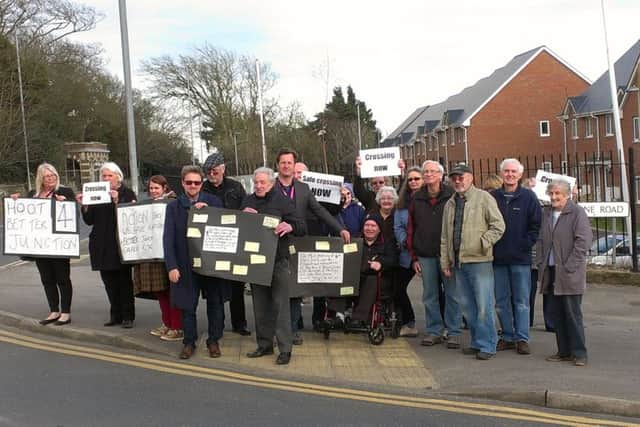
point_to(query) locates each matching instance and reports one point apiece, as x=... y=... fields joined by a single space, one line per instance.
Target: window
x=608 y=122
x=564 y=170
x=588 y=128
x=637 y=190
x=547 y=166
x=453 y=136
x=544 y=128
x=636 y=129
x=574 y=128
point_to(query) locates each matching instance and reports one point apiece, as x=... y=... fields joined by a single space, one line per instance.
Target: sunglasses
x=189 y=182
x=413 y=179
x=377 y=182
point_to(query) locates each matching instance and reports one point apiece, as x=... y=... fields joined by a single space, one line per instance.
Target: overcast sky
x=397 y=55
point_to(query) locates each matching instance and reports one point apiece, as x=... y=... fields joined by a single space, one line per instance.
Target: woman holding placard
x=103 y=247
x=54 y=272
x=151 y=277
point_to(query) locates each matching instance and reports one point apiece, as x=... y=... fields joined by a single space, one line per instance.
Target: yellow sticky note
x=350 y=248
x=227 y=219
x=193 y=232
x=240 y=270
x=292 y=250
x=270 y=222
x=200 y=218
x=197 y=263
x=322 y=246
x=346 y=290
x=222 y=265
x=251 y=246
x=258 y=259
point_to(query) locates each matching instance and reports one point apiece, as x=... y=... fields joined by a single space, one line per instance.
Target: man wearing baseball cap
x=471 y=225
x=231 y=193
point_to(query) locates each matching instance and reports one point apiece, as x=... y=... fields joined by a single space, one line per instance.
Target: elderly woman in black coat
x=103 y=247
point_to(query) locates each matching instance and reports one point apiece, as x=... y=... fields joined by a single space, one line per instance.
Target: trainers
x=430 y=340
x=505 y=345
x=522 y=347
x=453 y=342
x=158 y=332
x=172 y=335
x=408 y=331
x=470 y=351
x=481 y=355
x=559 y=358
x=580 y=361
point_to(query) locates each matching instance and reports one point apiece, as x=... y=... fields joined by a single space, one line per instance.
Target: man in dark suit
x=307 y=207
x=231 y=193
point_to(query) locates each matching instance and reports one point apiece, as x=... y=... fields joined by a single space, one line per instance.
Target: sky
x=397 y=55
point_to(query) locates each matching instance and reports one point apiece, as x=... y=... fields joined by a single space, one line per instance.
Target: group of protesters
x=470 y=248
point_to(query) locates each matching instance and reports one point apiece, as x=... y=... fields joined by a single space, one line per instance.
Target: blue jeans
x=476 y=290
x=513 y=290
x=215 y=312
x=432 y=278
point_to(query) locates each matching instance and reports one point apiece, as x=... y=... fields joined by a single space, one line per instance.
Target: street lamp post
x=235 y=149
x=24 y=120
x=323 y=143
x=359 y=130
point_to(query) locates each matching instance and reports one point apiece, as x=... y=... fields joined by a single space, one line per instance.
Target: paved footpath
x=610 y=383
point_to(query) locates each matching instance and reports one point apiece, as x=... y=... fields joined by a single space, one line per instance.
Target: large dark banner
x=324 y=266
x=140 y=229
x=232 y=244
x=41 y=228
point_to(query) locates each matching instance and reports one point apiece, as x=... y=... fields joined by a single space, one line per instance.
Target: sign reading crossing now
x=606 y=209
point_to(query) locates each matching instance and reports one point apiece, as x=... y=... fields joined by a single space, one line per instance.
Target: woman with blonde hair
x=54 y=272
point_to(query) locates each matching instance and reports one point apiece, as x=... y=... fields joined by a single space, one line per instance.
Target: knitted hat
x=349 y=187
x=375 y=217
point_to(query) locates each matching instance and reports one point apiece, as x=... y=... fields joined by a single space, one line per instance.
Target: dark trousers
x=56 y=280
x=295 y=308
x=319 y=308
x=548 y=322
x=403 y=306
x=236 y=306
x=119 y=287
x=215 y=311
x=271 y=310
x=566 y=313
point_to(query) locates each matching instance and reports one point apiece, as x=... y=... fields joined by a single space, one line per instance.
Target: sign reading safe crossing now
x=232 y=244
x=325 y=187
x=140 y=229
x=41 y=228
x=324 y=267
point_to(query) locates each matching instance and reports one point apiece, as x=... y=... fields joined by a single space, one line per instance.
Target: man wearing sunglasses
x=185 y=284
x=231 y=192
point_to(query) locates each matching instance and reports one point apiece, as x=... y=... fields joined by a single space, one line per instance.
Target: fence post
x=632 y=210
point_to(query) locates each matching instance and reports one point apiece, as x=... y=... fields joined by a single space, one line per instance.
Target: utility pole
x=24 y=120
x=264 y=144
x=359 y=131
x=235 y=148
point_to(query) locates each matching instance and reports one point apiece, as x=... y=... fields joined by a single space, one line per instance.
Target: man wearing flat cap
x=471 y=225
x=231 y=193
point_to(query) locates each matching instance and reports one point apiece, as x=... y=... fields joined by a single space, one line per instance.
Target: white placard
x=543 y=178
x=320 y=267
x=28 y=230
x=380 y=162
x=220 y=239
x=140 y=229
x=606 y=209
x=325 y=187
x=96 y=193
x=66 y=219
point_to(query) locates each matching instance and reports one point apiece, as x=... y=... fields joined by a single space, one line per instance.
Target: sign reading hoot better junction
x=232 y=244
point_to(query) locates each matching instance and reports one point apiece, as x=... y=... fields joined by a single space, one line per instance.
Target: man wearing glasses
x=423 y=239
x=365 y=196
x=185 y=284
x=471 y=225
x=231 y=192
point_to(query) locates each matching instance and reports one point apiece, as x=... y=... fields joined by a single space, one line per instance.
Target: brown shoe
x=430 y=340
x=505 y=345
x=559 y=358
x=214 y=350
x=187 y=351
x=522 y=347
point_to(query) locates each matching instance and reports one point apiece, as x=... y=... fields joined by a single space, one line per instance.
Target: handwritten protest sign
x=140 y=228
x=324 y=266
x=30 y=228
x=96 y=193
x=325 y=187
x=380 y=162
x=233 y=245
x=543 y=178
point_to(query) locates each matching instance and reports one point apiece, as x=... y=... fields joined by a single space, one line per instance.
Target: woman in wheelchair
x=379 y=257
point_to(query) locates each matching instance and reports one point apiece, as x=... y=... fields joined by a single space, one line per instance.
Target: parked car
x=603 y=249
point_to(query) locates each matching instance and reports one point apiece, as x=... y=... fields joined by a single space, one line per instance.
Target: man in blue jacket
x=512 y=256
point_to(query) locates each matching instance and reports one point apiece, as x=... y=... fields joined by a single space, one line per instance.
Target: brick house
x=590 y=132
x=511 y=113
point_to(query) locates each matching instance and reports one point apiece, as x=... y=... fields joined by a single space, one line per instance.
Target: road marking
x=185 y=369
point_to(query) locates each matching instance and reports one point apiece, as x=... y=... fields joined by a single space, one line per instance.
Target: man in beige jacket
x=471 y=225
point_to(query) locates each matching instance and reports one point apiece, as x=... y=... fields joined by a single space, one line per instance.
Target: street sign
x=606 y=209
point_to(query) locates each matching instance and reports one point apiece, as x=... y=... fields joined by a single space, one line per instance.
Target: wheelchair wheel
x=376 y=336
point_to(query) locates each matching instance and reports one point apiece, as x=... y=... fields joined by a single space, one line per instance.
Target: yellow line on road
x=186 y=369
